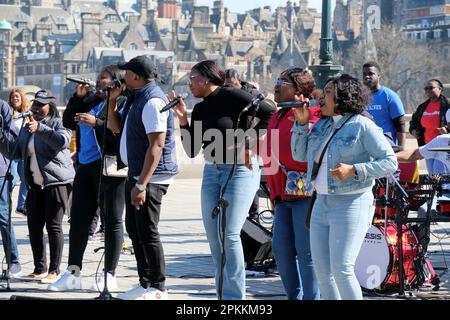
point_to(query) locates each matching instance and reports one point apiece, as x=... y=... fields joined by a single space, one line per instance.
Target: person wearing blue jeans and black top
x=9 y=131
x=85 y=113
x=147 y=146
x=217 y=115
x=345 y=152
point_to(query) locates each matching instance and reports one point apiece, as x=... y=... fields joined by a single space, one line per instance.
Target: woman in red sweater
x=291 y=238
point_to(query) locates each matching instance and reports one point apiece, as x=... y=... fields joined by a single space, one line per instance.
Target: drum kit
x=393 y=255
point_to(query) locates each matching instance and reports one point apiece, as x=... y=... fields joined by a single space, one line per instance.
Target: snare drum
x=377 y=264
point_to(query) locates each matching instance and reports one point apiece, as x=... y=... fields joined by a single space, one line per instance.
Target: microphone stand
x=9 y=178
x=223 y=204
x=105 y=294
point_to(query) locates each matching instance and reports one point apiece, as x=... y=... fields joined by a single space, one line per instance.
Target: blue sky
x=243 y=5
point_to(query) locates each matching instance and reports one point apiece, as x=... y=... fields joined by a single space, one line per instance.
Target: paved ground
x=189 y=265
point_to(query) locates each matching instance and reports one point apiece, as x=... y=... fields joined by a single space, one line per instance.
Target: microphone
x=82 y=81
x=292 y=104
x=115 y=83
x=260 y=97
x=174 y=102
x=24 y=114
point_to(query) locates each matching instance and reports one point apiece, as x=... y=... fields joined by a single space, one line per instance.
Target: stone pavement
x=189 y=265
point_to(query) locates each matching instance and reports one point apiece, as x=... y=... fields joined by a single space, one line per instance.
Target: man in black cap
x=147 y=146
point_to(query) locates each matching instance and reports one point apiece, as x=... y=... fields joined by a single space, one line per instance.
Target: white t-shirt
x=153 y=121
x=38 y=179
x=438 y=142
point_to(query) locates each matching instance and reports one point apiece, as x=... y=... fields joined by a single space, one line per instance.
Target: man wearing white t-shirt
x=424 y=152
x=147 y=147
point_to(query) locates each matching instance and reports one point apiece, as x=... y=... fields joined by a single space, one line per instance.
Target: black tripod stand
x=400 y=203
x=223 y=204
x=8 y=179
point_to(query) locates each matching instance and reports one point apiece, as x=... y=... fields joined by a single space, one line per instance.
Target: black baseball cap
x=141 y=65
x=45 y=97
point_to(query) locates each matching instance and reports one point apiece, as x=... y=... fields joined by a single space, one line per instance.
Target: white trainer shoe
x=15 y=270
x=141 y=293
x=99 y=285
x=67 y=282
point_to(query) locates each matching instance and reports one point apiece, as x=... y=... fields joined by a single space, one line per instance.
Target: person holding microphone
x=44 y=147
x=345 y=152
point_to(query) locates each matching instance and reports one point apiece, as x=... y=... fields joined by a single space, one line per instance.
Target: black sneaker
x=22 y=211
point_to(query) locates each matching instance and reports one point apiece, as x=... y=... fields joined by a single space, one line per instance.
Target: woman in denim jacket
x=356 y=155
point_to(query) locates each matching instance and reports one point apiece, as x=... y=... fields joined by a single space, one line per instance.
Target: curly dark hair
x=303 y=80
x=351 y=96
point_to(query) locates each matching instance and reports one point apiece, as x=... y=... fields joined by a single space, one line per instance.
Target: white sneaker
x=100 y=283
x=67 y=282
x=140 y=293
x=15 y=270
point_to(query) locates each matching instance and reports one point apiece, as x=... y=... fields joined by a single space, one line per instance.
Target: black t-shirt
x=217 y=115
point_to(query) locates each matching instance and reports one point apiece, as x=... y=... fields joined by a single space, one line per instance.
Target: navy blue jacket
x=137 y=141
x=8 y=130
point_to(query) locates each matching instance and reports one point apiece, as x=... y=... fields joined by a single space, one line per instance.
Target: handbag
x=315 y=171
x=110 y=168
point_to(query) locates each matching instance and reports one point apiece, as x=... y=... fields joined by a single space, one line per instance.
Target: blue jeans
x=17 y=168
x=4 y=213
x=338 y=226
x=239 y=194
x=292 y=252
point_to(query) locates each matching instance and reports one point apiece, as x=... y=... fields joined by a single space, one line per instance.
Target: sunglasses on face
x=280 y=82
x=430 y=88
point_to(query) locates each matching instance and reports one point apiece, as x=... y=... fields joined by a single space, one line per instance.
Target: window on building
x=20 y=71
x=56 y=68
x=48 y=68
x=29 y=70
x=2 y=36
x=132 y=46
x=62 y=27
x=21 y=25
x=74 y=68
x=38 y=69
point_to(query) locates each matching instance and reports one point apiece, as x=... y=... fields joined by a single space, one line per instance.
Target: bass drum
x=377 y=264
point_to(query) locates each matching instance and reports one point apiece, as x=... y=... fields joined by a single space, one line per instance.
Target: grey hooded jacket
x=51 y=144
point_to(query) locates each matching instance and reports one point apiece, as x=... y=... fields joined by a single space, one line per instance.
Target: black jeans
x=112 y=200
x=142 y=228
x=83 y=211
x=46 y=207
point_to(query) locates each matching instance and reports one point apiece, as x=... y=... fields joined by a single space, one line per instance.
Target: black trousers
x=142 y=228
x=112 y=200
x=84 y=209
x=46 y=207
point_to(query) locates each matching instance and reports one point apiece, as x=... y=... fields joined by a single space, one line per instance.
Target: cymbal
x=440 y=149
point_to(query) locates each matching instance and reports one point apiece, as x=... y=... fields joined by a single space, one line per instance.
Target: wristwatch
x=140 y=187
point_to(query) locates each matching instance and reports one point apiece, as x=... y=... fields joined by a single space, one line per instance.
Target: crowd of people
x=320 y=158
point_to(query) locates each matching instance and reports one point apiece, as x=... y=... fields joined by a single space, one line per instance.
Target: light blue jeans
x=4 y=214
x=338 y=226
x=18 y=169
x=291 y=249
x=239 y=194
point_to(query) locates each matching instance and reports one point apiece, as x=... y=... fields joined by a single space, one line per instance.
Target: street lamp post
x=326 y=69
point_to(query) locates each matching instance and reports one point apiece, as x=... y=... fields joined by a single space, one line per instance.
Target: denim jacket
x=359 y=142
